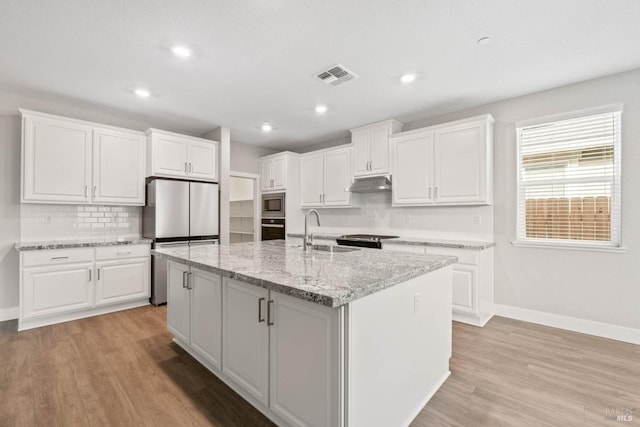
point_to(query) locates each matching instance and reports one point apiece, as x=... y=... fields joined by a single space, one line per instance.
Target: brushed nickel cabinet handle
x=269 y=305
x=59 y=257
x=185 y=167
x=89 y=275
x=94 y=191
x=124 y=253
x=189 y=281
x=190 y=167
x=86 y=189
x=98 y=274
x=184 y=280
x=436 y=192
x=260 y=318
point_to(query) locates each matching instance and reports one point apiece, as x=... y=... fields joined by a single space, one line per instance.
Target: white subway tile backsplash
x=52 y=222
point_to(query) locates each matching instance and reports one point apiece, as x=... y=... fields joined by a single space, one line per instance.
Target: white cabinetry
x=449 y=164
x=194 y=311
x=181 y=156
x=324 y=176
x=71 y=161
x=274 y=171
x=59 y=285
x=246 y=338
x=371 y=147
x=472 y=280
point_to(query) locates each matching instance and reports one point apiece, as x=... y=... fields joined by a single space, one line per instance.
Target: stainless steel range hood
x=372 y=184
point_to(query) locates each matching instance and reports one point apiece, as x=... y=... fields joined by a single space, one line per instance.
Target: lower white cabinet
x=56 y=289
x=58 y=285
x=268 y=343
x=472 y=288
x=194 y=310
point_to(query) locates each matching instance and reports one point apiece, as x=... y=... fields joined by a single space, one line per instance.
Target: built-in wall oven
x=273 y=205
x=273 y=228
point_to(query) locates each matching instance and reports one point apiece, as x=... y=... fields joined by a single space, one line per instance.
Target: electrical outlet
x=477 y=219
x=47 y=219
x=417 y=303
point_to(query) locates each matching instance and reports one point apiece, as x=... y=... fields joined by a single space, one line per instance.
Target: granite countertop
x=81 y=243
x=331 y=279
x=416 y=241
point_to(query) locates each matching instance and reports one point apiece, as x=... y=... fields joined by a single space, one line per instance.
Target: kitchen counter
x=330 y=279
x=415 y=241
x=80 y=243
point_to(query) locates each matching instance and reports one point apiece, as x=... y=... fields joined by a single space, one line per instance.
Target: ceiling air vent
x=333 y=76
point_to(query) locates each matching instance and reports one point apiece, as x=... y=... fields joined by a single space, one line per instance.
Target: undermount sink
x=332 y=248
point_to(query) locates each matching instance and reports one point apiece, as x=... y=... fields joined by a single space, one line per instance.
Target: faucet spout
x=307 y=243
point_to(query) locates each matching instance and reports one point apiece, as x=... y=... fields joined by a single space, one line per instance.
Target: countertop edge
x=436 y=243
x=38 y=246
x=308 y=295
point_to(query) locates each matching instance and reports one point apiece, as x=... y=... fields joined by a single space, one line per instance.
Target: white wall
x=9 y=214
x=244 y=157
x=596 y=286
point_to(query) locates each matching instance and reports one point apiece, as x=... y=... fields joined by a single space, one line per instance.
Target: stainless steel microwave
x=273 y=205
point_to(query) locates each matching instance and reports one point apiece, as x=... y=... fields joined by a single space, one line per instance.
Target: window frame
x=615 y=244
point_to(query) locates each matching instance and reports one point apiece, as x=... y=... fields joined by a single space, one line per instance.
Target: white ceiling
x=255 y=59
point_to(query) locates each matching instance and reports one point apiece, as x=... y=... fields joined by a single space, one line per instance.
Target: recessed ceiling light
x=484 y=40
x=181 y=51
x=408 y=78
x=142 y=93
x=321 y=109
x=266 y=127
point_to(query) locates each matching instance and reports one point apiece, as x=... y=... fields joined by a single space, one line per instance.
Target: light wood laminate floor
x=123 y=369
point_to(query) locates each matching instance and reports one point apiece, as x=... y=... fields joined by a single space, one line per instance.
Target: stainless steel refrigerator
x=178 y=213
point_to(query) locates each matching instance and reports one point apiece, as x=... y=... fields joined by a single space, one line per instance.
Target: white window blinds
x=569 y=181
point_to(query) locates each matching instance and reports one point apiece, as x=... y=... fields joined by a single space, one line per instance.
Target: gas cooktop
x=363 y=240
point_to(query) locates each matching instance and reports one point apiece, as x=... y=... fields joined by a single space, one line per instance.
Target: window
x=569 y=179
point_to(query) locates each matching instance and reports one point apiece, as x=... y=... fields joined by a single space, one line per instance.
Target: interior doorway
x=244 y=215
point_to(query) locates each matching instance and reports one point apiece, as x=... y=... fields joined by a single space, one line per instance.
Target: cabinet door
x=311 y=180
x=379 y=150
x=118 y=167
x=56 y=289
x=361 y=140
x=465 y=288
x=246 y=338
x=279 y=173
x=122 y=280
x=203 y=160
x=412 y=170
x=460 y=165
x=57 y=161
x=266 y=175
x=178 y=317
x=304 y=379
x=337 y=177
x=206 y=315
x=170 y=155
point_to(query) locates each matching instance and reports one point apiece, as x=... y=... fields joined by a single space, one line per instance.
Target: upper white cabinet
x=71 y=161
x=274 y=171
x=449 y=164
x=118 y=167
x=371 y=147
x=180 y=156
x=324 y=175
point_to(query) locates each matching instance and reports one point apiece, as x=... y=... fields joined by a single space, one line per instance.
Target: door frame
x=257 y=225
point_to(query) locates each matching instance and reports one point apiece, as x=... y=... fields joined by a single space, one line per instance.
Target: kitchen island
x=357 y=338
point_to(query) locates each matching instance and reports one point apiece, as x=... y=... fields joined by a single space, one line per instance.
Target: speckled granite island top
x=80 y=243
x=331 y=279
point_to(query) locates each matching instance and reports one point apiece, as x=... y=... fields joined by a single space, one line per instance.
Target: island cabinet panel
x=304 y=361
x=398 y=350
x=178 y=310
x=246 y=338
x=194 y=311
x=206 y=315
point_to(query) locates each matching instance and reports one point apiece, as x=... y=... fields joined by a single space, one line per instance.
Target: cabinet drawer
x=56 y=256
x=465 y=256
x=122 y=251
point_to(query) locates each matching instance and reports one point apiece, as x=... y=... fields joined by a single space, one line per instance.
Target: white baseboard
x=9 y=313
x=589 y=327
